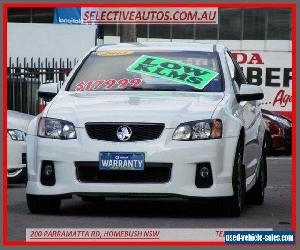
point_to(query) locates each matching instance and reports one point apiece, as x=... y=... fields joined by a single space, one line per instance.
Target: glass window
x=159 y=31
x=158 y=70
x=110 y=29
x=206 y=32
x=19 y=15
x=254 y=24
x=279 y=24
x=230 y=24
x=28 y=15
x=183 y=31
x=43 y=15
x=141 y=30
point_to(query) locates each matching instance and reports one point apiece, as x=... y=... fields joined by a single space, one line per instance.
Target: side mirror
x=48 y=90
x=249 y=92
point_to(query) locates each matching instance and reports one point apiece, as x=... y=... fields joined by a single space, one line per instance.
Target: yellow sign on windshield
x=114 y=53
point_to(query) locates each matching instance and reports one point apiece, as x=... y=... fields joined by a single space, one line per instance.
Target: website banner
x=149 y=15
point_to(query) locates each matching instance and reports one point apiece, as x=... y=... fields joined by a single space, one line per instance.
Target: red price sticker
x=111 y=84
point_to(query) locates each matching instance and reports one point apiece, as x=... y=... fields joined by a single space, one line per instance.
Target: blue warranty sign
x=121 y=161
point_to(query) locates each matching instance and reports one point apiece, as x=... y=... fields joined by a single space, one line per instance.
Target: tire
x=39 y=204
x=269 y=148
x=256 y=195
x=232 y=206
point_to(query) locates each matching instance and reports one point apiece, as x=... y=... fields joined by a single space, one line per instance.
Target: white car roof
x=164 y=46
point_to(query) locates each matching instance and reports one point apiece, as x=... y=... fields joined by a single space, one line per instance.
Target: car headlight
x=16 y=135
x=199 y=130
x=56 y=129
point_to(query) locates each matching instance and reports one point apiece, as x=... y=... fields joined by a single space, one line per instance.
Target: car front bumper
x=183 y=155
x=16 y=156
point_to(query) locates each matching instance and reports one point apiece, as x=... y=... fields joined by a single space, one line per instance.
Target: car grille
x=88 y=172
x=140 y=132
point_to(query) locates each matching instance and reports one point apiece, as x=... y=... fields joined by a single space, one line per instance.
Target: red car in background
x=279 y=132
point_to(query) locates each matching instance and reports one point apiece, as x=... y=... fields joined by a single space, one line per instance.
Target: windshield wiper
x=150 y=89
x=158 y=89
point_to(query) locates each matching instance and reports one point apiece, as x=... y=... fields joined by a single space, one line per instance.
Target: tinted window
x=206 y=32
x=29 y=15
x=254 y=24
x=187 y=71
x=183 y=31
x=142 y=30
x=21 y=15
x=230 y=24
x=279 y=24
x=109 y=29
x=43 y=15
x=159 y=31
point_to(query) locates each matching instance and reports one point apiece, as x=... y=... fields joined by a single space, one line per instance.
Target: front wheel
x=39 y=204
x=232 y=206
x=269 y=148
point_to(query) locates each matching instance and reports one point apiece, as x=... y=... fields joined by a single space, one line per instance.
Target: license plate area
x=121 y=161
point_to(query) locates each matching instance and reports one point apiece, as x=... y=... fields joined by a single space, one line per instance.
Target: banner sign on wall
x=67 y=16
x=273 y=72
x=149 y=15
x=134 y=15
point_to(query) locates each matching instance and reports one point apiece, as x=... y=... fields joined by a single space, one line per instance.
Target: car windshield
x=149 y=70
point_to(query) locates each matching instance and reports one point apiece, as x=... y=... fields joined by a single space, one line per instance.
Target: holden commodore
x=17 y=124
x=150 y=119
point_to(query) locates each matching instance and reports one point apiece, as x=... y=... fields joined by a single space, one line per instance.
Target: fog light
x=204 y=172
x=48 y=170
x=48 y=173
x=203 y=177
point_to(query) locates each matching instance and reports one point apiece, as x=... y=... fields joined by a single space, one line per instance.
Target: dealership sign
x=149 y=15
x=273 y=72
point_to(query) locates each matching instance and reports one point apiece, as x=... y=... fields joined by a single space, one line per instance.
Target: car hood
x=170 y=108
x=18 y=120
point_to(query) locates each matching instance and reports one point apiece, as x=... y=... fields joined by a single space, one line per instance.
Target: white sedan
x=151 y=119
x=17 y=125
